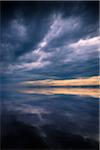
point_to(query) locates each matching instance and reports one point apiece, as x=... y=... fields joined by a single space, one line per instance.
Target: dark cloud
x=38 y=38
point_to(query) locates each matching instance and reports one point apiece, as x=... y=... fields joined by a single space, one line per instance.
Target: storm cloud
x=49 y=40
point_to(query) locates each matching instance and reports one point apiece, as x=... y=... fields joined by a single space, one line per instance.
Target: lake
x=49 y=118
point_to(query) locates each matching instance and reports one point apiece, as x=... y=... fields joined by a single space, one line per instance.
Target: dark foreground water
x=48 y=120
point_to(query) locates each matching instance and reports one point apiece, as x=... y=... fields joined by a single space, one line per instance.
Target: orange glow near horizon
x=90 y=81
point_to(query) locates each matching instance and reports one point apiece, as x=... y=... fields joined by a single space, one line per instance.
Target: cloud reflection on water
x=91 y=92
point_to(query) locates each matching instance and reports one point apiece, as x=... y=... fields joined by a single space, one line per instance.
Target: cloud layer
x=56 y=40
x=92 y=81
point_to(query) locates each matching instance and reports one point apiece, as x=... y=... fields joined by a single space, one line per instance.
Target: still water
x=49 y=118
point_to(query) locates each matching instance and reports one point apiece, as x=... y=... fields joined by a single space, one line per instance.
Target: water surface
x=59 y=118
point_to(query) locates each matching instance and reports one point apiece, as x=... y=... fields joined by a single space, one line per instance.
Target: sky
x=72 y=82
x=49 y=40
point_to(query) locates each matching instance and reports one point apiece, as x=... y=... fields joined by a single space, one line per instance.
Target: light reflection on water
x=68 y=110
x=67 y=91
